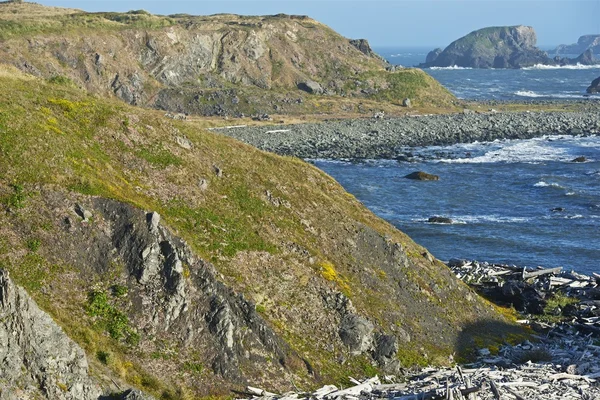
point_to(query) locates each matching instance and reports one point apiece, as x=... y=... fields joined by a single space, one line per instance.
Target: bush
x=34 y=245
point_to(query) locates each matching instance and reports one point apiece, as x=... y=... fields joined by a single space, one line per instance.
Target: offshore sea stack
x=494 y=47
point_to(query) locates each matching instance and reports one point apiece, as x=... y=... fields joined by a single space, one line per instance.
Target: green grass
x=109 y=318
x=57 y=138
x=78 y=23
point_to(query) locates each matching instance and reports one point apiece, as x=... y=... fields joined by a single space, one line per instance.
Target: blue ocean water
x=500 y=196
x=538 y=82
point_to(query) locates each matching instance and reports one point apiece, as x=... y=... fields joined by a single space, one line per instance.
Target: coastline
x=388 y=138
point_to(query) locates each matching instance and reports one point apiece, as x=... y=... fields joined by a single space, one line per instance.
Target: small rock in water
x=579 y=159
x=422 y=176
x=558 y=209
x=439 y=220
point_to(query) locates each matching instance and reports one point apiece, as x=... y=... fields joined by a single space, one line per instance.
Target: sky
x=387 y=23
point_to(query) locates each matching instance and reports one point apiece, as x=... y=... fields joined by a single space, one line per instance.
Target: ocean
x=537 y=82
x=520 y=202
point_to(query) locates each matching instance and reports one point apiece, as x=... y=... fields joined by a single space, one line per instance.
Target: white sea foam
x=576 y=66
x=545 y=184
x=532 y=94
x=453 y=67
x=475 y=219
x=531 y=151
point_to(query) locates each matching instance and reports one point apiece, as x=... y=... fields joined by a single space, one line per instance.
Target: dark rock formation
x=37 y=359
x=579 y=159
x=439 y=220
x=422 y=176
x=594 y=87
x=496 y=47
x=586 y=42
x=433 y=55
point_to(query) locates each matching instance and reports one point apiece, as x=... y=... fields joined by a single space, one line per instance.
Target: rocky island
x=498 y=47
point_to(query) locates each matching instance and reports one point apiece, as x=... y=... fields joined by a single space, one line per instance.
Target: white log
x=355 y=390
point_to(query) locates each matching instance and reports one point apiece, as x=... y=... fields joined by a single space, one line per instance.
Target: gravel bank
x=389 y=137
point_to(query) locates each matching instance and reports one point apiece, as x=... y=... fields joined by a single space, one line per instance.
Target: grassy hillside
x=278 y=231
x=225 y=65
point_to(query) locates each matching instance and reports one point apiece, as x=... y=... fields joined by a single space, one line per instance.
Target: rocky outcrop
x=37 y=359
x=495 y=47
x=585 y=58
x=594 y=86
x=433 y=55
x=585 y=42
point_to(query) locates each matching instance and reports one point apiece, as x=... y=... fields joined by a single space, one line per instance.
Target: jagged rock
x=357 y=333
x=439 y=220
x=585 y=58
x=433 y=55
x=363 y=46
x=422 y=176
x=585 y=42
x=37 y=359
x=594 y=87
x=406 y=103
x=311 y=87
x=579 y=159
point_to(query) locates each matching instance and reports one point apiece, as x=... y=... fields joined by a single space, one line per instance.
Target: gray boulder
x=356 y=332
x=311 y=87
x=37 y=359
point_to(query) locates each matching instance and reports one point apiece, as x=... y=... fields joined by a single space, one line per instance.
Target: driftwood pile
x=531 y=291
x=570 y=370
x=562 y=361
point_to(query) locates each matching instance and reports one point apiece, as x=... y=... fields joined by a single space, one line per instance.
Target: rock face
x=495 y=47
x=433 y=55
x=37 y=359
x=197 y=65
x=585 y=58
x=586 y=42
x=594 y=86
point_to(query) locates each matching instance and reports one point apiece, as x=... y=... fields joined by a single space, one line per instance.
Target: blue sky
x=425 y=23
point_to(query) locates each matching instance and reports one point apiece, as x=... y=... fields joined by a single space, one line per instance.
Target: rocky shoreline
x=392 y=138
